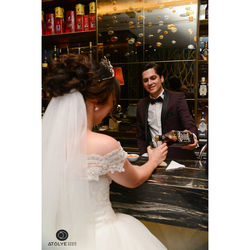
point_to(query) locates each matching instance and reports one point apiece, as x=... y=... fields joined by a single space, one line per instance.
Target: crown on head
x=106 y=63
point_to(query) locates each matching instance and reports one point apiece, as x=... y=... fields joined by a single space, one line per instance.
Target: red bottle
x=70 y=21
x=80 y=17
x=59 y=21
x=86 y=22
x=43 y=29
x=92 y=16
x=50 y=23
x=92 y=21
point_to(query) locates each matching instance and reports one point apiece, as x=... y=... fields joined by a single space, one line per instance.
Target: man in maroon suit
x=162 y=111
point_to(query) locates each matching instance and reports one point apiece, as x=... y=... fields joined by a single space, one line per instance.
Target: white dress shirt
x=154 y=119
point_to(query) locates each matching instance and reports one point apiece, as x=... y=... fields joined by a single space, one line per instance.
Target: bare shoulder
x=101 y=144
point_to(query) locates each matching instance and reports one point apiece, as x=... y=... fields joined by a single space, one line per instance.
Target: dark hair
x=174 y=83
x=80 y=73
x=157 y=67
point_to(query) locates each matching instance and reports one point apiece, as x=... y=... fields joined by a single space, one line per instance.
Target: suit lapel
x=147 y=133
x=164 y=107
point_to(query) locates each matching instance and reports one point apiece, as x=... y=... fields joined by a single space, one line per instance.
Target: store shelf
x=202 y=99
x=76 y=37
x=204 y=22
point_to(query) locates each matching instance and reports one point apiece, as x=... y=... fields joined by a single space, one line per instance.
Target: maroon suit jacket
x=174 y=115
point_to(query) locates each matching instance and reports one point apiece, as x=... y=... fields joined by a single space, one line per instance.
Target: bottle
x=79 y=17
x=80 y=51
x=45 y=60
x=55 y=55
x=92 y=16
x=204 y=52
x=90 y=51
x=206 y=12
x=59 y=20
x=202 y=129
x=176 y=138
x=43 y=111
x=203 y=89
x=43 y=28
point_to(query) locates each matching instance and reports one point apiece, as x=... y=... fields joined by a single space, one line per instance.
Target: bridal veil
x=67 y=218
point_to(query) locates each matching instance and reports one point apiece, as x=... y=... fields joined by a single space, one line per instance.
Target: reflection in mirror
x=136 y=31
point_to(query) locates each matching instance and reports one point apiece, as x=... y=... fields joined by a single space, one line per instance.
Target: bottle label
x=183 y=137
x=86 y=22
x=44 y=65
x=203 y=90
x=202 y=127
x=58 y=27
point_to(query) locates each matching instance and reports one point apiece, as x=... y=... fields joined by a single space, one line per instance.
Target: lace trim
x=102 y=164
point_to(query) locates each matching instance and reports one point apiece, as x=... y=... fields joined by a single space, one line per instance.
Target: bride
x=79 y=165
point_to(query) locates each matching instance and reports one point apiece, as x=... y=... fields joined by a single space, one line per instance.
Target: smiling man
x=162 y=111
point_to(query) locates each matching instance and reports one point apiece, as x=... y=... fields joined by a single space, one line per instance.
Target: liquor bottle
x=90 y=51
x=43 y=111
x=203 y=89
x=79 y=17
x=45 y=60
x=80 y=51
x=92 y=16
x=204 y=52
x=55 y=55
x=64 y=51
x=59 y=20
x=43 y=28
x=206 y=12
x=176 y=138
x=202 y=129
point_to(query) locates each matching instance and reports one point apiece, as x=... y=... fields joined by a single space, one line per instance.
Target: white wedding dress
x=115 y=231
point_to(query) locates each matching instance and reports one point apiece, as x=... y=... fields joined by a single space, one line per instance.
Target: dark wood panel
x=178 y=197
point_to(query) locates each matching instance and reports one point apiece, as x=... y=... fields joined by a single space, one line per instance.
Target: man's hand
x=190 y=146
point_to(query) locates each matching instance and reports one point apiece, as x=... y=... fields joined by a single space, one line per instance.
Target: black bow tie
x=153 y=101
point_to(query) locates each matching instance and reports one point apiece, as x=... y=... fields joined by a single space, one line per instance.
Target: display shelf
x=202 y=99
x=82 y=37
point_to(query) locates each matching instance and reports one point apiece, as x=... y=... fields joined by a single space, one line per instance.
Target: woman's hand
x=157 y=155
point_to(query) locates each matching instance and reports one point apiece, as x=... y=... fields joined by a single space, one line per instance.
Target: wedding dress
x=77 y=213
x=114 y=231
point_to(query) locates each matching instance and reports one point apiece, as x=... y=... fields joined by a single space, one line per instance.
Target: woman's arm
x=134 y=176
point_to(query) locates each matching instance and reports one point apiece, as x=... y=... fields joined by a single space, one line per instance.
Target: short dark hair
x=174 y=83
x=157 y=67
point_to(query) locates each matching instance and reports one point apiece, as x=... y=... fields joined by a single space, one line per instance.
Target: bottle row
x=75 y=21
x=49 y=55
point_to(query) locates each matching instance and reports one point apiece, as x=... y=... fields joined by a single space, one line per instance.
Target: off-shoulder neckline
x=108 y=154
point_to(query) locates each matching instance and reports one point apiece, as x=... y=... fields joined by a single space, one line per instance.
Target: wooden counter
x=175 y=197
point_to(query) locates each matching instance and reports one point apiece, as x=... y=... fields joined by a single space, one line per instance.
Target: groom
x=162 y=111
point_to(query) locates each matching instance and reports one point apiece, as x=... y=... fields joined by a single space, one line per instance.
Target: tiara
x=106 y=63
